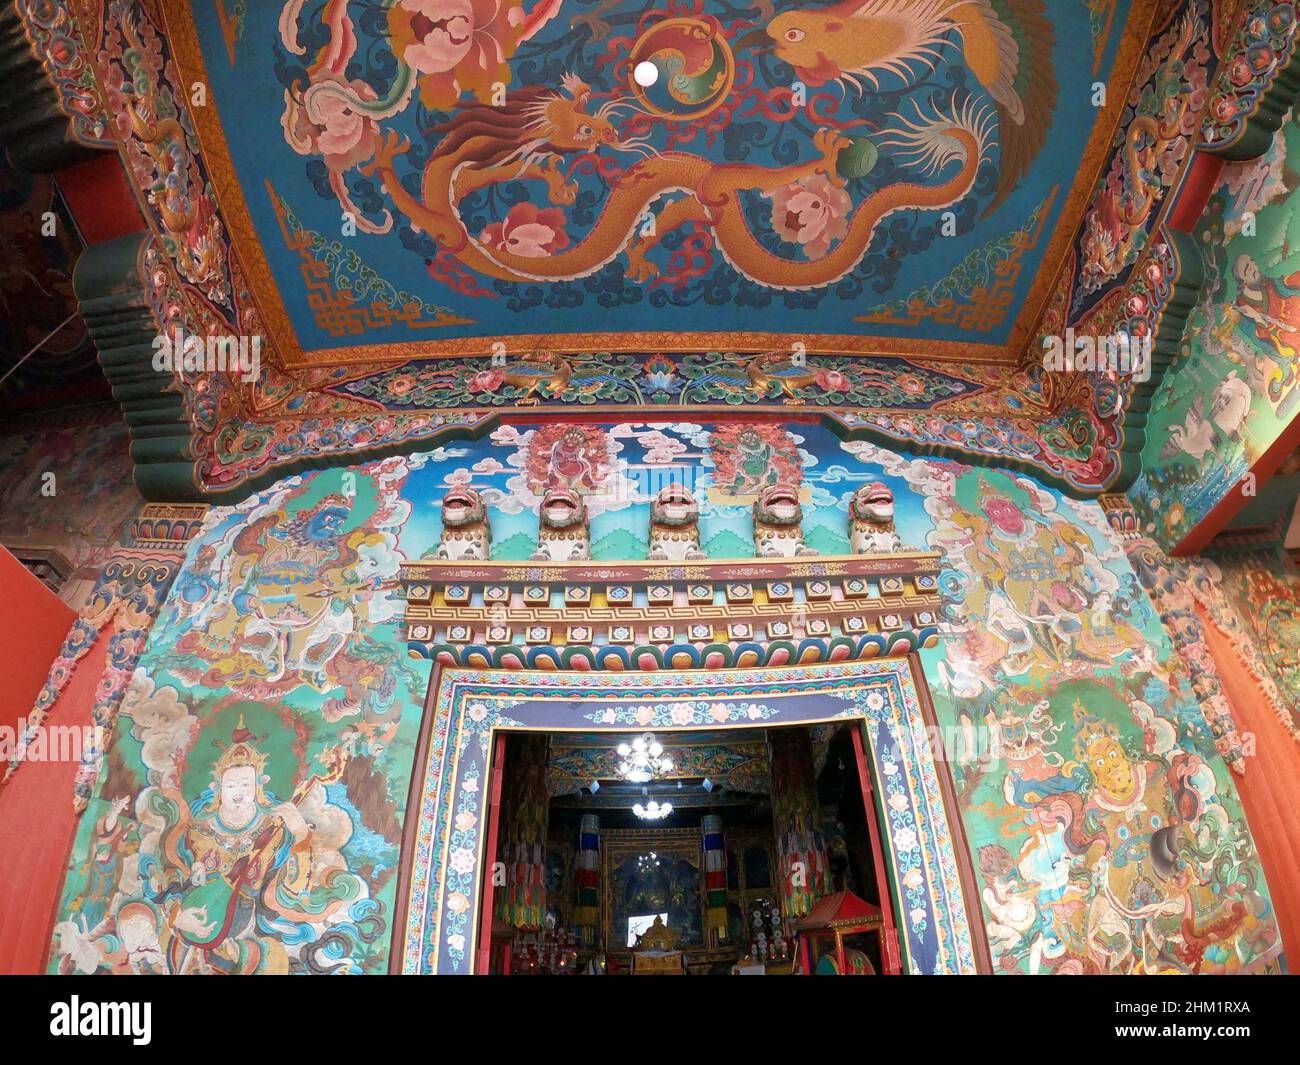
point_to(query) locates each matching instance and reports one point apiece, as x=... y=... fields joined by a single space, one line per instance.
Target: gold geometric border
x=1132 y=47
x=334 y=308
x=956 y=352
x=246 y=245
x=984 y=304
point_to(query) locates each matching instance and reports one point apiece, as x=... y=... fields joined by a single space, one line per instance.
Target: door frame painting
x=444 y=849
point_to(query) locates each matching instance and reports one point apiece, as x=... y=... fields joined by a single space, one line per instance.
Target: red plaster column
x=33 y=623
x=38 y=825
x=1270 y=788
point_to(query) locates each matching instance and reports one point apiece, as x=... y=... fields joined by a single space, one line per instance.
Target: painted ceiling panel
x=784 y=178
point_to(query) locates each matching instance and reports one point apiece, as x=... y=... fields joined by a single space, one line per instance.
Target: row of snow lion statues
x=564 y=535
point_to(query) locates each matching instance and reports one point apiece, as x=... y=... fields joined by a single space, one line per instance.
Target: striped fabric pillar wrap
x=524 y=814
x=586 y=911
x=715 y=876
x=801 y=850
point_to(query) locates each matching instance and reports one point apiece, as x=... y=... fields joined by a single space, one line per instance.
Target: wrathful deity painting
x=430 y=172
x=250 y=813
x=1107 y=833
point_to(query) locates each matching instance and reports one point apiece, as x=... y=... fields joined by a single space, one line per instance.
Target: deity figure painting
x=1107 y=836
x=1236 y=392
x=574 y=457
x=304 y=589
x=231 y=879
x=749 y=458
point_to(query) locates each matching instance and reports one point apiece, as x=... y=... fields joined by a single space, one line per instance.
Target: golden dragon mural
x=527 y=137
x=446 y=50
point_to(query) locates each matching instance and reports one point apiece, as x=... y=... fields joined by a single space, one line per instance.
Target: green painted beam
x=113 y=301
x=34 y=129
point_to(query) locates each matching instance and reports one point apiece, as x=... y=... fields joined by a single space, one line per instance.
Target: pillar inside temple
x=523 y=832
x=715 y=879
x=586 y=912
x=800 y=848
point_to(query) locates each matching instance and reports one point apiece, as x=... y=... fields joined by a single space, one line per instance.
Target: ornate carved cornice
x=49 y=115
x=656 y=615
x=1256 y=84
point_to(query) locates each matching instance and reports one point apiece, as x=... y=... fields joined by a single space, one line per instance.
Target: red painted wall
x=38 y=825
x=1270 y=790
x=32 y=627
x=35 y=829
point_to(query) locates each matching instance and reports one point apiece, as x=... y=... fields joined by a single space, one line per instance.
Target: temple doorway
x=504 y=768
x=681 y=852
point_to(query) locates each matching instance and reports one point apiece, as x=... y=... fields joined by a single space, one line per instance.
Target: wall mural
x=1108 y=834
x=267 y=739
x=1235 y=392
x=82 y=511
x=505 y=172
x=248 y=814
x=1177 y=587
x=621 y=468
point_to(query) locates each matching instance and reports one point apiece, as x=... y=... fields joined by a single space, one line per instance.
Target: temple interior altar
x=682 y=853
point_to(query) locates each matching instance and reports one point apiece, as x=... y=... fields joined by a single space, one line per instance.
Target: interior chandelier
x=643 y=759
x=653 y=811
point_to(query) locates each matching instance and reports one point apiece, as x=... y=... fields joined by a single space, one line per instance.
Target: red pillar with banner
x=586 y=911
x=715 y=880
